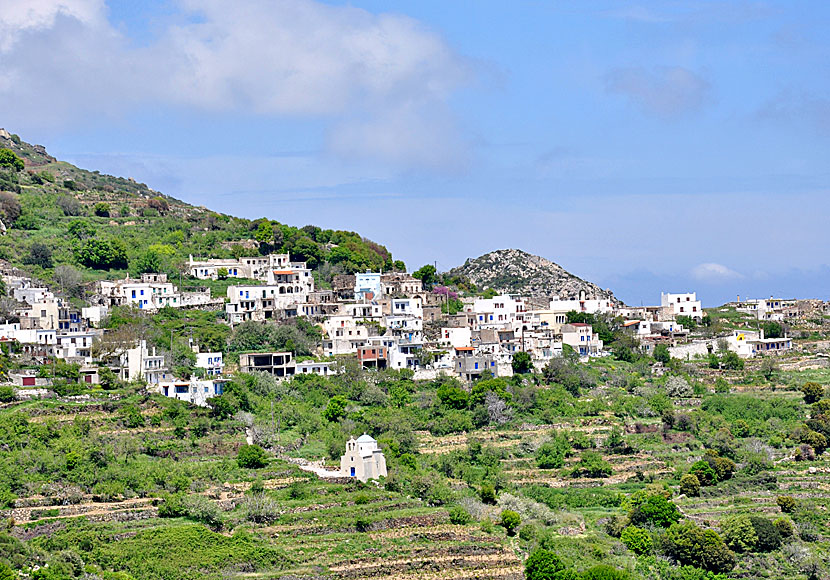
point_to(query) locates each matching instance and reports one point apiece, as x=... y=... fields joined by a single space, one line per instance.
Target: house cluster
x=383 y=320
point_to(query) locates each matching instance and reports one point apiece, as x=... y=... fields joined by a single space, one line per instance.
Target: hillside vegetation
x=55 y=213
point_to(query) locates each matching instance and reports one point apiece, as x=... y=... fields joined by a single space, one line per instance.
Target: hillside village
x=189 y=395
x=383 y=320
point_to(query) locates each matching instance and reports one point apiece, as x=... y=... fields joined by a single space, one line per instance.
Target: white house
x=210 y=361
x=455 y=337
x=582 y=338
x=582 y=304
x=363 y=459
x=682 y=304
x=193 y=391
x=367 y=285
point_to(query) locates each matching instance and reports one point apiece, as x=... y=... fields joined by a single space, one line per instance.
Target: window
x=476 y=366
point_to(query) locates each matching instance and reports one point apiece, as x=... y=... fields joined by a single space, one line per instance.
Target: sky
x=654 y=146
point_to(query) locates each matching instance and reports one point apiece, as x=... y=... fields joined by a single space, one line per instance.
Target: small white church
x=363 y=460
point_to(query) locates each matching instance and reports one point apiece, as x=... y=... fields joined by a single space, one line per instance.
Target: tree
x=80 y=229
x=102 y=254
x=772 y=330
x=251 y=457
x=452 y=395
x=522 y=364
x=692 y=546
x=653 y=509
x=9 y=159
x=787 y=503
x=39 y=255
x=9 y=207
x=661 y=354
x=510 y=520
x=732 y=361
x=551 y=454
x=812 y=392
x=69 y=279
x=704 y=473
x=102 y=209
x=427 y=275
x=222 y=273
x=591 y=464
x=690 y=485
x=69 y=205
x=335 y=409
x=739 y=534
x=637 y=540
x=543 y=565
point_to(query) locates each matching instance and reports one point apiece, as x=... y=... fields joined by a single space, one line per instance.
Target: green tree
x=732 y=361
x=427 y=275
x=787 y=503
x=9 y=159
x=543 y=565
x=551 y=454
x=812 y=392
x=637 y=540
x=522 y=363
x=39 y=255
x=653 y=509
x=692 y=546
x=452 y=395
x=510 y=520
x=7 y=573
x=335 y=409
x=102 y=254
x=591 y=464
x=704 y=473
x=661 y=353
x=690 y=485
x=102 y=209
x=251 y=457
x=772 y=330
x=738 y=533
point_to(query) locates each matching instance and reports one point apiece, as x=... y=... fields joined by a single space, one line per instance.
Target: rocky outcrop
x=516 y=271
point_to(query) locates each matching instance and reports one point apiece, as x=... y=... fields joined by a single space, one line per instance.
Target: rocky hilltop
x=523 y=273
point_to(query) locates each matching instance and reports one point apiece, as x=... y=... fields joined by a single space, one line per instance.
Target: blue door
x=352 y=472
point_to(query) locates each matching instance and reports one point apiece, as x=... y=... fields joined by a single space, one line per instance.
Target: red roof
x=465 y=348
x=579 y=324
x=630 y=322
x=285 y=272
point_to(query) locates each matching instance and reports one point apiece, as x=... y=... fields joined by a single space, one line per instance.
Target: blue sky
x=656 y=146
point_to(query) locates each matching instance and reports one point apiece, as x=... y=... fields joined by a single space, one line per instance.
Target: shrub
x=453 y=396
x=678 y=387
x=102 y=209
x=732 y=361
x=787 y=503
x=551 y=454
x=487 y=494
x=69 y=206
x=591 y=464
x=9 y=159
x=692 y=546
x=767 y=534
x=704 y=472
x=10 y=208
x=817 y=441
x=785 y=527
x=653 y=509
x=543 y=565
x=7 y=394
x=603 y=572
x=510 y=520
x=39 y=255
x=251 y=457
x=459 y=516
x=637 y=540
x=335 y=409
x=661 y=354
x=528 y=532
x=690 y=485
x=739 y=533
x=260 y=509
x=812 y=392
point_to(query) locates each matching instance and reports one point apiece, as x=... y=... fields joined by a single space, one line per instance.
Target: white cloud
x=663 y=91
x=363 y=74
x=712 y=272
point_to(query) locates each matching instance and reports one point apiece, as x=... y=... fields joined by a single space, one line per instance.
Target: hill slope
x=107 y=225
x=520 y=272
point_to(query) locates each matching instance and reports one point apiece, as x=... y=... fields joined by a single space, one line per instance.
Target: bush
x=604 y=572
x=768 y=536
x=510 y=520
x=786 y=503
x=739 y=533
x=487 y=494
x=335 y=409
x=459 y=516
x=551 y=454
x=251 y=457
x=661 y=354
x=637 y=540
x=692 y=546
x=690 y=485
x=9 y=159
x=704 y=473
x=7 y=394
x=543 y=565
x=653 y=509
x=812 y=392
x=785 y=527
x=260 y=509
x=591 y=464
x=39 y=255
x=452 y=395
x=102 y=209
x=678 y=387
